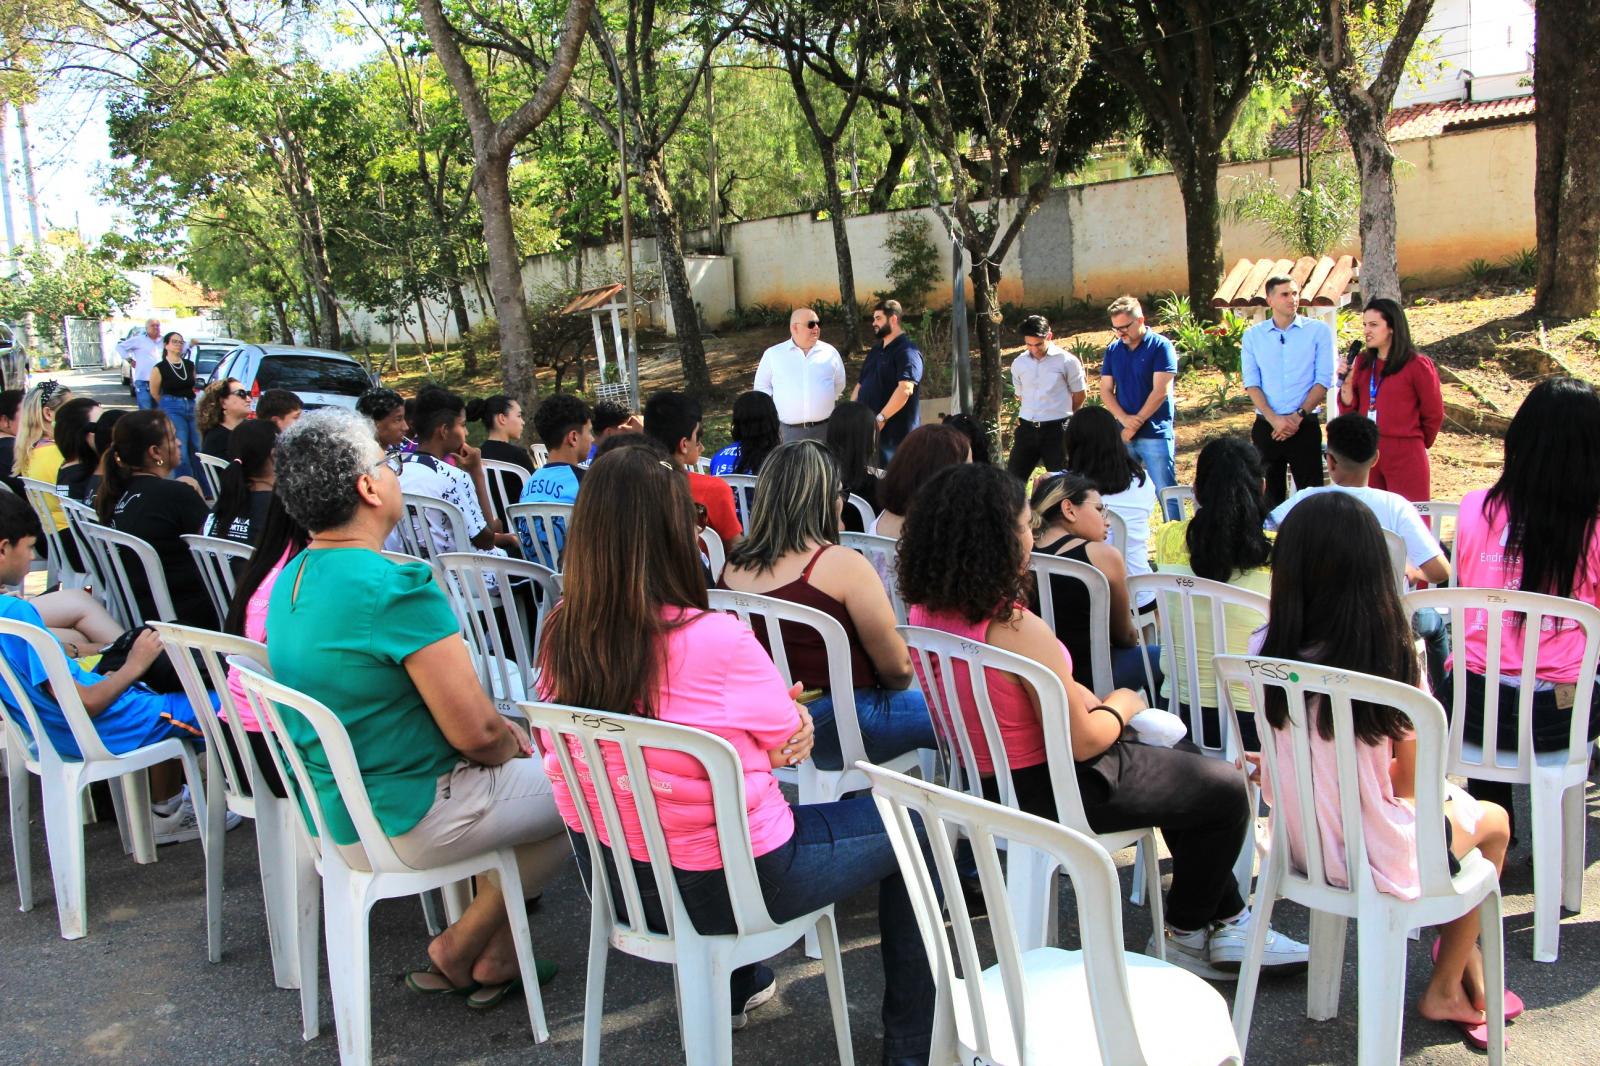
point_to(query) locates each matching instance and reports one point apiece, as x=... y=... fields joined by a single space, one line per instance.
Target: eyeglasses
x=813 y=324
x=1124 y=329
x=394 y=461
x=243 y=395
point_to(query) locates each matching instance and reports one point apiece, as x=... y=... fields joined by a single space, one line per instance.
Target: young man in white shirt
x=142 y=350
x=1050 y=385
x=804 y=376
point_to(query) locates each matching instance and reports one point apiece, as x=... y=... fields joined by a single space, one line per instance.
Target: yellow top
x=44 y=463
x=1170 y=547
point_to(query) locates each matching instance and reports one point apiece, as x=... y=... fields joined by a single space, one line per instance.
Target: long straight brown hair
x=631 y=552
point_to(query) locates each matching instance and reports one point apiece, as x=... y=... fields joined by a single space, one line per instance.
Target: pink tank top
x=1015 y=717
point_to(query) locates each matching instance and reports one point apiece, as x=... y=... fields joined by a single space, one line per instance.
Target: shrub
x=1523 y=266
x=1480 y=271
x=915 y=265
x=1311 y=220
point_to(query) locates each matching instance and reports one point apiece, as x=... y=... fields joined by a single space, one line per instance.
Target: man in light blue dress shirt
x=1287 y=365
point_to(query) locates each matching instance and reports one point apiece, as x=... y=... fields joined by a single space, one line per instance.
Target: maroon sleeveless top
x=808 y=658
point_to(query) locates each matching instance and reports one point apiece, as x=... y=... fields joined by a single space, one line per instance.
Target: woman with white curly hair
x=376 y=642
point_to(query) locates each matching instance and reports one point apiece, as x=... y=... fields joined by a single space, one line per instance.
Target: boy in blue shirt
x=565 y=426
x=126 y=714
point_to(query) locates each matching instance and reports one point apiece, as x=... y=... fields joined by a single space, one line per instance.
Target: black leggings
x=1198 y=803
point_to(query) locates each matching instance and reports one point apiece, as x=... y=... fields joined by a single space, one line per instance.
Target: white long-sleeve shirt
x=142 y=350
x=803 y=385
x=1045 y=386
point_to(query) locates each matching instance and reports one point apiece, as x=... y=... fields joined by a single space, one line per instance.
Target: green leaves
x=80 y=284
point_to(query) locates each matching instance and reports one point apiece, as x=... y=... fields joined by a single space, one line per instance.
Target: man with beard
x=890 y=378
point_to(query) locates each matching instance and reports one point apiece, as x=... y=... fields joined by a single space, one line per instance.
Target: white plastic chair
x=1192 y=611
x=938 y=659
x=703 y=962
x=863 y=510
x=1436 y=513
x=503 y=636
x=63 y=781
x=1556 y=779
x=1033 y=1005
x=1382 y=920
x=1117 y=533
x=215 y=558
x=535 y=525
x=235 y=782
x=880 y=552
x=744 y=494
x=506 y=482
x=1397 y=559
x=1179 y=499
x=114 y=548
x=92 y=556
x=711 y=547
x=46 y=504
x=1045 y=567
x=211 y=468
x=348 y=893
x=431 y=526
x=540 y=453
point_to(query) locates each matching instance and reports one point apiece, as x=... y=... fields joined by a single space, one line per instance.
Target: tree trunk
x=458 y=307
x=986 y=316
x=841 y=251
x=883 y=189
x=422 y=319
x=675 y=277
x=1380 y=260
x=1202 y=225
x=1566 y=187
x=281 y=313
x=505 y=280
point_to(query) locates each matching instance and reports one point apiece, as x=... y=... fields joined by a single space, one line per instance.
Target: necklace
x=180 y=369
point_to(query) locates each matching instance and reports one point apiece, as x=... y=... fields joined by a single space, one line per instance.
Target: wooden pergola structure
x=1325 y=285
x=606 y=299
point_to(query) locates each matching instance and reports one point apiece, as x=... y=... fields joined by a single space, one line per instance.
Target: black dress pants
x=1035 y=441
x=1300 y=455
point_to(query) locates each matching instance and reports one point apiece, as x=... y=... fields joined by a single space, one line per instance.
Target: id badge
x=1372 y=413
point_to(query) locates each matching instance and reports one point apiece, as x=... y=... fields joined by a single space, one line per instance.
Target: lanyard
x=1372 y=392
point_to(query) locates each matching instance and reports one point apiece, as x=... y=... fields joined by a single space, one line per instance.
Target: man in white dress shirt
x=142 y=350
x=804 y=376
x=1050 y=385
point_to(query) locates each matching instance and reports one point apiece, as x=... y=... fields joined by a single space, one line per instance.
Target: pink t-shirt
x=255 y=627
x=1015 y=717
x=718 y=678
x=1481 y=563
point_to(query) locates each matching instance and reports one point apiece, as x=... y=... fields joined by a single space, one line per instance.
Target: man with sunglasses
x=1136 y=387
x=804 y=376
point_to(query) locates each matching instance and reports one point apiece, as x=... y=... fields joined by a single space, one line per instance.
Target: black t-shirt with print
x=160 y=511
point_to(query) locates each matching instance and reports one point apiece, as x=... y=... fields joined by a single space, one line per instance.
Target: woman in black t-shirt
x=75 y=478
x=139 y=495
x=246 y=490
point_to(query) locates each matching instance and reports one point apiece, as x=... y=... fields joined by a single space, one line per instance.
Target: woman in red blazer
x=1398 y=387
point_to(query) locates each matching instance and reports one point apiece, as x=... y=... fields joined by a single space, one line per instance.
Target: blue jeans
x=1127 y=668
x=181 y=412
x=892 y=722
x=838 y=849
x=1159 y=456
x=141 y=395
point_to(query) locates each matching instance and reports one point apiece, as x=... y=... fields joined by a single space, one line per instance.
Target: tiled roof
x=1418 y=120
x=590 y=299
x=176 y=290
x=1323 y=282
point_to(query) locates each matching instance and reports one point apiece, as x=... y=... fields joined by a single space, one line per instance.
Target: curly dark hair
x=958 y=548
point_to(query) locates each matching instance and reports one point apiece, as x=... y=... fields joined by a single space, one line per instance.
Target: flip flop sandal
x=1477 y=1034
x=485 y=997
x=1514 y=1005
x=431 y=982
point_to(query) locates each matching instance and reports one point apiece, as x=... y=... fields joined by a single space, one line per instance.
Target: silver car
x=321 y=378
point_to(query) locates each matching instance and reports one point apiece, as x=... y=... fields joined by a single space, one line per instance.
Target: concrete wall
x=1459 y=197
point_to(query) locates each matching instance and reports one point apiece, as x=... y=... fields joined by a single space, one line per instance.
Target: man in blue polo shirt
x=565 y=426
x=1287 y=366
x=891 y=378
x=1136 y=387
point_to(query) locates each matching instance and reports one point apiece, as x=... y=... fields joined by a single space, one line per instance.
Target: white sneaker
x=1190 y=951
x=1230 y=942
x=184 y=825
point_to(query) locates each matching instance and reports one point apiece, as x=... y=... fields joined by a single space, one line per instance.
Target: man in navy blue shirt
x=1287 y=366
x=890 y=379
x=564 y=424
x=1136 y=386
